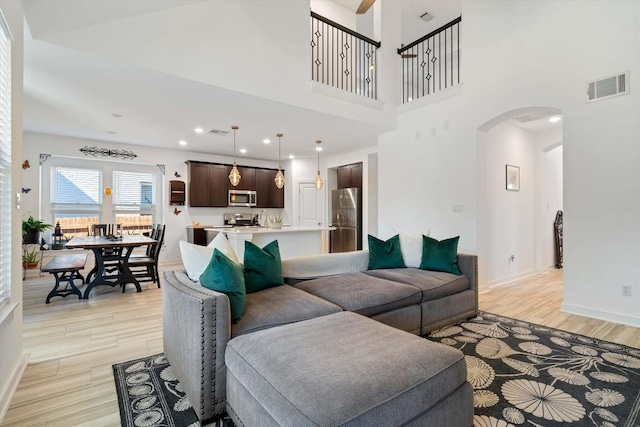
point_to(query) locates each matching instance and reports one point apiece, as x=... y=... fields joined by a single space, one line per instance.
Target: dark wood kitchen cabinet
x=269 y=196
x=247 y=178
x=350 y=176
x=207 y=184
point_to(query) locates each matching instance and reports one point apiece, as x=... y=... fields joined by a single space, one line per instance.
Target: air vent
x=219 y=132
x=426 y=17
x=608 y=87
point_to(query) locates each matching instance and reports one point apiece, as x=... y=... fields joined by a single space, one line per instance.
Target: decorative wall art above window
x=105 y=152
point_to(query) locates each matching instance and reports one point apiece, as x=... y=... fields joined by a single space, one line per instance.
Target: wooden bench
x=66 y=268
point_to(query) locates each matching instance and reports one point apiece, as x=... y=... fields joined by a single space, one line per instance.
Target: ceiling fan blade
x=364 y=6
x=409 y=55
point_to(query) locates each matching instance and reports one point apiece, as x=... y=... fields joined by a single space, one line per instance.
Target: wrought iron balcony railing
x=431 y=63
x=342 y=58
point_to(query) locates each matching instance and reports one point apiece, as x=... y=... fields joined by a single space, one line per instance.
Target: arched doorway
x=513 y=234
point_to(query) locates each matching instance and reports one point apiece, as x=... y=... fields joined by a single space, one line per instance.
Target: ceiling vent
x=426 y=17
x=608 y=87
x=219 y=132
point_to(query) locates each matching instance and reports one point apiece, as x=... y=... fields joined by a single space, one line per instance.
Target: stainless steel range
x=241 y=219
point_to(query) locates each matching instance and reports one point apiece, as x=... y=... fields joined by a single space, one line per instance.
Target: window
x=5 y=162
x=133 y=200
x=75 y=192
x=75 y=199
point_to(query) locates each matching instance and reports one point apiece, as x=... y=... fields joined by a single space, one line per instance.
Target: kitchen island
x=293 y=240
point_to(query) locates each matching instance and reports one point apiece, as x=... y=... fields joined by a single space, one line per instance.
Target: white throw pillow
x=221 y=243
x=411 y=248
x=196 y=258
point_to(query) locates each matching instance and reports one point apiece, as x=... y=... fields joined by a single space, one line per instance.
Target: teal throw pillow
x=385 y=254
x=262 y=267
x=224 y=275
x=440 y=255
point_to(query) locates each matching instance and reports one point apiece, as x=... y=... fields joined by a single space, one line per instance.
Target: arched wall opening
x=515 y=237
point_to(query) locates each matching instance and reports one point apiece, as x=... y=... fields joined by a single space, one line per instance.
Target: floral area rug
x=521 y=373
x=527 y=374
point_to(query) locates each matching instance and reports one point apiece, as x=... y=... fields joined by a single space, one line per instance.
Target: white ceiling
x=74 y=94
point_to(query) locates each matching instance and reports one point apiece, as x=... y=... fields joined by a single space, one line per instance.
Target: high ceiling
x=77 y=94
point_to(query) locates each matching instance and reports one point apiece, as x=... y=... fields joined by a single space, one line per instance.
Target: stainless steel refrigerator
x=346 y=217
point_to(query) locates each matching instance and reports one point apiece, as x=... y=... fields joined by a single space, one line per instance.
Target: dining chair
x=111 y=256
x=145 y=267
x=106 y=229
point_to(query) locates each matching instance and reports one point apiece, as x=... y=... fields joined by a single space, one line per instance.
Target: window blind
x=134 y=191
x=5 y=162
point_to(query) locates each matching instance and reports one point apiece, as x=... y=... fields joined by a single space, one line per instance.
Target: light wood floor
x=72 y=344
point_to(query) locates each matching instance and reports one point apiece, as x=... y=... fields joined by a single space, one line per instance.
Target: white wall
x=511 y=213
x=35 y=144
x=530 y=54
x=12 y=359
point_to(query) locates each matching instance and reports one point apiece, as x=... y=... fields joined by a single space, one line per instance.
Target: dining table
x=113 y=252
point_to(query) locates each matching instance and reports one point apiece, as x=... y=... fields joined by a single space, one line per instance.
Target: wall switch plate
x=456 y=208
x=626 y=290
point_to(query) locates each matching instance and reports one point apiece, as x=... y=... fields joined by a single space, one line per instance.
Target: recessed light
x=182 y=142
x=291 y=156
x=243 y=150
x=112 y=132
x=117 y=115
x=198 y=130
x=554 y=119
x=266 y=140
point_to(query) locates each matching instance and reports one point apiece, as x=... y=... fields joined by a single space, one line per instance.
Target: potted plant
x=29 y=258
x=275 y=221
x=31 y=229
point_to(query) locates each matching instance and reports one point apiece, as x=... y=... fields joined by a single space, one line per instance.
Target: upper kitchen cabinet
x=350 y=176
x=207 y=184
x=269 y=196
x=247 y=178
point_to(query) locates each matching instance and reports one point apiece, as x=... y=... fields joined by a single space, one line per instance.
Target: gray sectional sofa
x=197 y=324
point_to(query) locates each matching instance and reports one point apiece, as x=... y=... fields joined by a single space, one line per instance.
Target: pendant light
x=234 y=176
x=279 y=176
x=318 y=181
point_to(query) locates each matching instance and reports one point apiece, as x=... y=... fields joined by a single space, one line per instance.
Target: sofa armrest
x=196 y=329
x=311 y=267
x=468 y=265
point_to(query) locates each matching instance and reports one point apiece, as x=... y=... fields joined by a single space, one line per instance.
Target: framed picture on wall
x=513 y=178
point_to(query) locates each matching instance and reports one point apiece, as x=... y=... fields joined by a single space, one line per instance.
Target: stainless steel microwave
x=242 y=198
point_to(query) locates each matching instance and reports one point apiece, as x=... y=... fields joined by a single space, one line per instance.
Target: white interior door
x=309 y=204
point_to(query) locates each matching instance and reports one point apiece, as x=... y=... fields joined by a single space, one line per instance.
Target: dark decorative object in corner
x=176 y=174
x=44 y=157
x=25 y=190
x=176 y=211
x=25 y=164
x=105 y=152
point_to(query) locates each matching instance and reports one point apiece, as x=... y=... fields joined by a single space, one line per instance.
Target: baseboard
x=12 y=386
x=508 y=280
x=602 y=315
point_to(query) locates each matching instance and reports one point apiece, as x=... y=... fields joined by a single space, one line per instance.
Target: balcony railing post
x=421 y=75
x=342 y=58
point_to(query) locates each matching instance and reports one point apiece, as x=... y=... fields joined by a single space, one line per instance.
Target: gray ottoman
x=345 y=369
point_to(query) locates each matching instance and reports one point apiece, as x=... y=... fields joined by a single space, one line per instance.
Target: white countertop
x=265 y=230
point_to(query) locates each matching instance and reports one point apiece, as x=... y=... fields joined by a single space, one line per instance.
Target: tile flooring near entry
x=72 y=344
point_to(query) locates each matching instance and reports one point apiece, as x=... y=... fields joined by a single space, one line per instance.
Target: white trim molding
x=6 y=395
x=602 y=315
